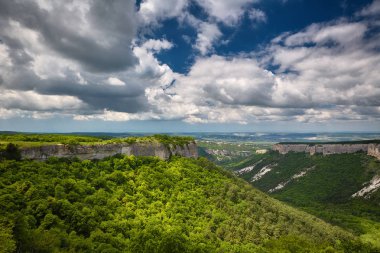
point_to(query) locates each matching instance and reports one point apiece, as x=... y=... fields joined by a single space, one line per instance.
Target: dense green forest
x=130 y=204
x=325 y=190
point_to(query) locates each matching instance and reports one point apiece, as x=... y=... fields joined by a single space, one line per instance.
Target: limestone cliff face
x=374 y=150
x=105 y=150
x=327 y=149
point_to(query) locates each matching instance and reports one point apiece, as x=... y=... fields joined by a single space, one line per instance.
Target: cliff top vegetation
x=23 y=140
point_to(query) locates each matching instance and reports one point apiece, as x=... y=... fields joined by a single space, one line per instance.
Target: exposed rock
x=296 y=176
x=372 y=149
x=247 y=169
x=262 y=172
x=261 y=151
x=371 y=187
x=101 y=151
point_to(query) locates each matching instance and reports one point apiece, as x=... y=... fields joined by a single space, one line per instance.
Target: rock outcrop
x=100 y=151
x=372 y=149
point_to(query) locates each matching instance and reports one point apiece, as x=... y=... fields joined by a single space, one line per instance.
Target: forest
x=325 y=190
x=130 y=204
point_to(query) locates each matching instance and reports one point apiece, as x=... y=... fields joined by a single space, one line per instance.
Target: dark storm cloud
x=99 y=39
x=125 y=98
x=95 y=34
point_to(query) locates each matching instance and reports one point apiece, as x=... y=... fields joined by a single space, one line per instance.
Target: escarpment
x=99 y=151
x=372 y=149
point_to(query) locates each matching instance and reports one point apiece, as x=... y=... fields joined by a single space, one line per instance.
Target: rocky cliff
x=100 y=151
x=372 y=149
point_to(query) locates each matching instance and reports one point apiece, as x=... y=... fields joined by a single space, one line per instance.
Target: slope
x=339 y=188
x=129 y=204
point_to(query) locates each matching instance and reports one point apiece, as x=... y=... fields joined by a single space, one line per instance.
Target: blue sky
x=190 y=65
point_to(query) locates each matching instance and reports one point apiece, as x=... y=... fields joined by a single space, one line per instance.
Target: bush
x=11 y=152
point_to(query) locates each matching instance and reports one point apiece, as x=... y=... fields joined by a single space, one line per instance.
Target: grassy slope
x=326 y=190
x=147 y=205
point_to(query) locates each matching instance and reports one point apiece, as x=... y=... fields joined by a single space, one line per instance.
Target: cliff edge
x=372 y=149
x=100 y=151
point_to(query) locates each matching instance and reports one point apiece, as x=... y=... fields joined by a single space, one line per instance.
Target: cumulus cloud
x=78 y=55
x=226 y=12
x=207 y=36
x=229 y=12
x=30 y=100
x=327 y=71
x=86 y=60
x=157 y=45
x=153 y=11
x=340 y=68
x=95 y=34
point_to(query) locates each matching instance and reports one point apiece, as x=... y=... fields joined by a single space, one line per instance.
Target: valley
x=256 y=200
x=342 y=189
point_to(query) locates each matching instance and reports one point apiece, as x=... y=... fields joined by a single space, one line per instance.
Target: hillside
x=340 y=188
x=130 y=204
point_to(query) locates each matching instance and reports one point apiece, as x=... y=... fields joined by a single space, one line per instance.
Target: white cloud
x=257 y=15
x=157 y=45
x=326 y=72
x=108 y=115
x=208 y=34
x=372 y=9
x=115 y=81
x=30 y=100
x=152 y=11
x=149 y=67
x=229 y=12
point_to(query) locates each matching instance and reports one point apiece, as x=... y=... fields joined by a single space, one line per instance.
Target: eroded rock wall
x=101 y=151
x=374 y=150
x=371 y=149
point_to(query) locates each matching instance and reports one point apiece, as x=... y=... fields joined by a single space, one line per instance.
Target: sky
x=190 y=65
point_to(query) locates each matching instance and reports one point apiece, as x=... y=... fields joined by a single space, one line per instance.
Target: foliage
x=326 y=189
x=11 y=152
x=27 y=140
x=229 y=154
x=129 y=204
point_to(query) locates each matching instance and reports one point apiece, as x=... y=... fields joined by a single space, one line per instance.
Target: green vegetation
x=326 y=188
x=228 y=154
x=11 y=152
x=129 y=204
x=30 y=140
